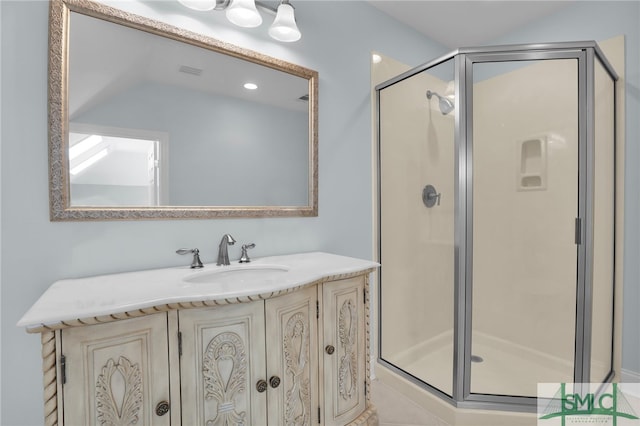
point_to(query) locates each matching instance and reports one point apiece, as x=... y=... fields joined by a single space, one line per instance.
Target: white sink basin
x=237 y=274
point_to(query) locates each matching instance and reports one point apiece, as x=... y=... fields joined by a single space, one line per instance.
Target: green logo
x=592 y=405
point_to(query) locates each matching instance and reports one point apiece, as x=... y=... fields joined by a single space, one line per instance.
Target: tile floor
x=395 y=410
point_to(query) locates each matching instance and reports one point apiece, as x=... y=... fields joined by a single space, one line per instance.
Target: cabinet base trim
x=368 y=418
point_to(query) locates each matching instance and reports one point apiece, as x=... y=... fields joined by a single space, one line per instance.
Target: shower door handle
x=430 y=196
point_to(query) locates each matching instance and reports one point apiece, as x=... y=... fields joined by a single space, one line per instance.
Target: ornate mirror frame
x=59 y=181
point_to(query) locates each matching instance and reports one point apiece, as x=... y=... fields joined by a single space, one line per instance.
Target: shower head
x=446 y=106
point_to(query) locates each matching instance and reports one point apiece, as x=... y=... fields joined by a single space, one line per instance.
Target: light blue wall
x=337 y=40
x=601 y=20
x=1 y=209
x=217 y=155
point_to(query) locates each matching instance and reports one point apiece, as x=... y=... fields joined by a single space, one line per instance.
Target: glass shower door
x=604 y=192
x=525 y=202
x=417 y=187
x=497 y=223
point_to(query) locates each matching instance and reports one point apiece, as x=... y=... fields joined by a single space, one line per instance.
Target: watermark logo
x=586 y=404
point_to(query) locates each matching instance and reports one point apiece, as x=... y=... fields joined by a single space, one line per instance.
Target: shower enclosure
x=496 y=222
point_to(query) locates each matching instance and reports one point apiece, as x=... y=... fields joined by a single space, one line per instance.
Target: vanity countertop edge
x=106 y=298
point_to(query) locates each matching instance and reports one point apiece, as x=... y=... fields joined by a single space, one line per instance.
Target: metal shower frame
x=586 y=53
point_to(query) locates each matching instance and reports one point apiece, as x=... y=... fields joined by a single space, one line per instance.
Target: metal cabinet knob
x=261 y=386
x=274 y=381
x=162 y=408
x=330 y=349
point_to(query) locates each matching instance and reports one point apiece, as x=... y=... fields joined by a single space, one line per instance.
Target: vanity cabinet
x=223 y=357
x=297 y=357
x=251 y=363
x=292 y=358
x=116 y=373
x=343 y=306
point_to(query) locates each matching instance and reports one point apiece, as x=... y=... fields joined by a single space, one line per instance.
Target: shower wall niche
x=533 y=164
x=506 y=280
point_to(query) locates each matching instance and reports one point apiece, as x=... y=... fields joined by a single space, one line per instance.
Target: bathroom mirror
x=150 y=121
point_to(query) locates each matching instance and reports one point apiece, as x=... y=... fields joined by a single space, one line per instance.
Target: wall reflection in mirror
x=159 y=118
x=226 y=145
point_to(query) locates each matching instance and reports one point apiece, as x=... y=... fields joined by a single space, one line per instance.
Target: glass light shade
x=243 y=13
x=201 y=5
x=284 y=27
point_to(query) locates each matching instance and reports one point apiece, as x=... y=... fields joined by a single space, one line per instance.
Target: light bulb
x=284 y=27
x=243 y=13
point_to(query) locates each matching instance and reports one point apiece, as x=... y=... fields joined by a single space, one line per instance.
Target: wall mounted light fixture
x=244 y=13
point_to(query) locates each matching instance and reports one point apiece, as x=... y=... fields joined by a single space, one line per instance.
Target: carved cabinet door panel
x=223 y=366
x=117 y=373
x=292 y=359
x=344 y=350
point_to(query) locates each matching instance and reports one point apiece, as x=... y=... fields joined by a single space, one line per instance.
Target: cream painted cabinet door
x=292 y=359
x=222 y=361
x=116 y=373
x=344 y=350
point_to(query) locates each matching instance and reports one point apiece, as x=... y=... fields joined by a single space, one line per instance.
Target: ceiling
x=467 y=23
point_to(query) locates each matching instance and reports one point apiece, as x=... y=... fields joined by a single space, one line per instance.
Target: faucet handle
x=195 y=263
x=244 y=257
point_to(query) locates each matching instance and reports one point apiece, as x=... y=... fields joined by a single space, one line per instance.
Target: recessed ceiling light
x=250 y=86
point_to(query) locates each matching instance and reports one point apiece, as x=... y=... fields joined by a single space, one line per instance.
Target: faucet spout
x=223 y=252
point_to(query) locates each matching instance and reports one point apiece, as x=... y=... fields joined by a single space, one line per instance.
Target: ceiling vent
x=190 y=70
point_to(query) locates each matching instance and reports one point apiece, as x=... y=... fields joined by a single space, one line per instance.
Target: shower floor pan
x=504 y=369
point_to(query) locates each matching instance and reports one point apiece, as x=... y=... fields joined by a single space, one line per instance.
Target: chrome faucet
x=223 y=252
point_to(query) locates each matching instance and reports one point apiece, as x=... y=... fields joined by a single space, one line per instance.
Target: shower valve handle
x=430 y=196
x=434 y=196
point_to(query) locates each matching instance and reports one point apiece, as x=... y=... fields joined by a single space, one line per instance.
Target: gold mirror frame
x=59 y=193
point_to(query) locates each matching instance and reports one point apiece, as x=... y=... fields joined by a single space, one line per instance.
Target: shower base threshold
x=505 y=368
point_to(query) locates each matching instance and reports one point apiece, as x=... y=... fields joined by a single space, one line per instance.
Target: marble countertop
x=73 y=299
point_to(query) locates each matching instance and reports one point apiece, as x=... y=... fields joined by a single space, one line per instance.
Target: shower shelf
x=532 y=164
